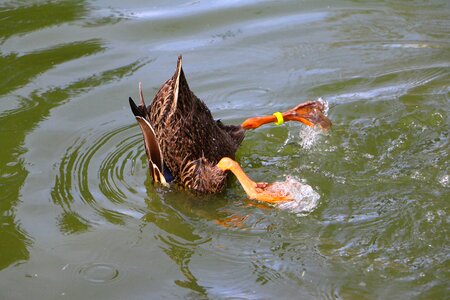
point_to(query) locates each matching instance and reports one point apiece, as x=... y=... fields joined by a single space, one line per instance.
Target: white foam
x=305 y=198
x=444 y=180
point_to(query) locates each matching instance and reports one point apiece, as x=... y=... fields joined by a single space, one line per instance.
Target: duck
x=186 y=145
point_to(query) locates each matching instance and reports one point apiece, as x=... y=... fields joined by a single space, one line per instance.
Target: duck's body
x=191 y=142
x=184 y=143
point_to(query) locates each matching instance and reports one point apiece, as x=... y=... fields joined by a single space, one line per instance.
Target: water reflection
x=20 y=17
x=179 y=241
x=18 y=122
x=21 y=69
x=72 y=182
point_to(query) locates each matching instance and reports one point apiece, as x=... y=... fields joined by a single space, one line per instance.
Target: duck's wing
x=152 y=149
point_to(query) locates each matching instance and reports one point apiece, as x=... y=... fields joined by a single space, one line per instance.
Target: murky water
x=80 y=218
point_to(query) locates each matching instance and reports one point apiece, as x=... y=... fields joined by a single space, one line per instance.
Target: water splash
x=307 y=136
x=305 y=198
x=444 y=180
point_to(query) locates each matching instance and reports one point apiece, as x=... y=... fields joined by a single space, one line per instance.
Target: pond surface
x=81 y=219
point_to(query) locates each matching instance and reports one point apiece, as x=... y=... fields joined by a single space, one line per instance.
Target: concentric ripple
x=99 y=273
x=98 y=170
x=233 y=100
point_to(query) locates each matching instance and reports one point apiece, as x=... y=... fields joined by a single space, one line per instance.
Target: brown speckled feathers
x=190 y=140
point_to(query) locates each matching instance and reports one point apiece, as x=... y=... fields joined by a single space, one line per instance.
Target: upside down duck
x=186 y=145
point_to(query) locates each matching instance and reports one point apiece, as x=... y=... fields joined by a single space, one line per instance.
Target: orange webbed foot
x=310 y=113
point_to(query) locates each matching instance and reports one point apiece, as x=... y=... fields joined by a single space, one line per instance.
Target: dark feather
x=154 y=155
x=191 y=142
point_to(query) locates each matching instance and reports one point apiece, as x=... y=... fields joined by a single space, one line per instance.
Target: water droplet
x=308 y=136
x=444 y=181
x=368 y=156
x=430 y=216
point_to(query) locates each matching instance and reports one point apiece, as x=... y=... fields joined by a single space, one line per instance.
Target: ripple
x=239 y=98
x=99 y=273
x=98 y=170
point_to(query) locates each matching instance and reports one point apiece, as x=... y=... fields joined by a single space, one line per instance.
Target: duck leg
x=260 y=191
x=310 y=113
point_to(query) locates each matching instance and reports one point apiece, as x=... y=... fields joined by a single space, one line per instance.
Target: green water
x=80 y=218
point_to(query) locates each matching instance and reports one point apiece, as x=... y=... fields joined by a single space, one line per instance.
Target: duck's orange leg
x=257 y=191
x=310 y=113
